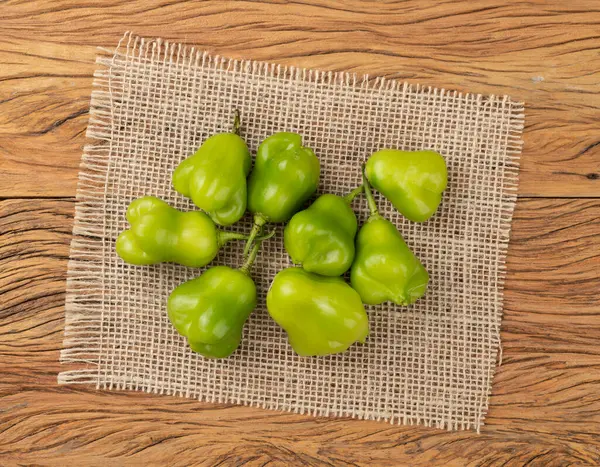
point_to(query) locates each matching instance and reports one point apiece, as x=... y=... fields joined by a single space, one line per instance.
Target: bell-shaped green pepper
x=412 y=180
x=321 y=238
x=214 y=177
x=385 y=269
x=321 y=315
x=285 y=175
x=211 y=310
x=161 y=233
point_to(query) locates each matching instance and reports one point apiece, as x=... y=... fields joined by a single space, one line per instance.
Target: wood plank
x=545 y=408
x=541 y=52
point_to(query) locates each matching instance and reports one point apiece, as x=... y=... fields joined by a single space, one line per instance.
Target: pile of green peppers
x=321 y=313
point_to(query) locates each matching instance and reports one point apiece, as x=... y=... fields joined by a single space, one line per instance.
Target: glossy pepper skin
x=321 y=238
x=321 y=315
x=385 y=269
x=412 y=180
x=285 y=175
x=214 y=177
x=161 y=233
x=210 y=311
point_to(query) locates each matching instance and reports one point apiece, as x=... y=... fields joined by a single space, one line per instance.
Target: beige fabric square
x=432 y=363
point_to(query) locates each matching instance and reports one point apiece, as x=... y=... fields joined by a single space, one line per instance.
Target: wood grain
x=542 y=52
x=545 y=407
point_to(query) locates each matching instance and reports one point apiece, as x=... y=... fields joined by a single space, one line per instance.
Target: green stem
x=350 y=196
x=236 y=122
x=245 y=268
x=259 y=221
x=370 y=200
x=224 y=237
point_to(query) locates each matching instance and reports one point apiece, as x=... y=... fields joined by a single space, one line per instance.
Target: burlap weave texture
x=154 y=103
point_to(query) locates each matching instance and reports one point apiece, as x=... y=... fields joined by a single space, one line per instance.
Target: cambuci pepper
x=321 y=238
x=384 y=268
x=210 y=311
x=412 y=180
x=160 y=233
x=321 y=315
x=214 y=177
x=285 y=176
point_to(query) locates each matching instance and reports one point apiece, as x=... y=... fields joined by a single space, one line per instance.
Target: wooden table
x=545 y=407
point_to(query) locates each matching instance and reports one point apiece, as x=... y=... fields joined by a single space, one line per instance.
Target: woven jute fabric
x=432 y=363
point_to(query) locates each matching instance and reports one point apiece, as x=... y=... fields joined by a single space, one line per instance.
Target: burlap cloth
x=432 y=363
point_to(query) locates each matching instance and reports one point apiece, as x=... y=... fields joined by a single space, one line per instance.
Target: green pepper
x=214 y=177
x=211 y=310
x=321 y=315
x=412 y=180
x=385 y=269
x=285 y=175
x=321 y=238
x=161 y=233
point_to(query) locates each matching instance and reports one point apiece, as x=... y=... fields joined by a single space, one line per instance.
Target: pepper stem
x=245 y=268
x=370 y=200
x=236 y=122
x=350 y=196
x=224 y=237
x=259 y=221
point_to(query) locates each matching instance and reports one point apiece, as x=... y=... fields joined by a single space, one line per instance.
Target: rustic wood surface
x=545 y=407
